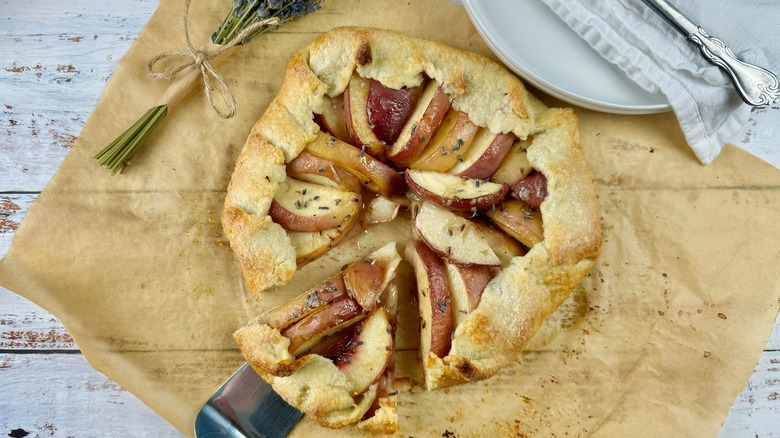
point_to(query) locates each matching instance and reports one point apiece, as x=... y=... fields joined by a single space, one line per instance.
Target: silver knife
x=245 y=406
x=755 y=85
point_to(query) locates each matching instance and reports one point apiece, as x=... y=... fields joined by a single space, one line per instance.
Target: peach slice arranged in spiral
x=454 y=237
x=389 y=109
x=375 y=175
x=433 y=294
x=423 y=122
x=302 y=206
x=455 y=192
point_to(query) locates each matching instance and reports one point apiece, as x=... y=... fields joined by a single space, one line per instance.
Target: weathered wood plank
x=757 y=142
x=12 y=210
x=54 y=66
x=24 y=326
x=61 y=395
x=50 y=16
x=46 y=97
x=756 y=412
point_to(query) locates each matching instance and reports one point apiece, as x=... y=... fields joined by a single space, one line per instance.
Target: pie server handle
x=755 y=85
x=245 y=406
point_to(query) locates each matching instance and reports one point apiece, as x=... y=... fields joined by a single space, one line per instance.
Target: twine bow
x=202 y=60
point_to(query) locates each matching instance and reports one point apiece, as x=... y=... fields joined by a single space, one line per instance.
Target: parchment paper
x=658 y=340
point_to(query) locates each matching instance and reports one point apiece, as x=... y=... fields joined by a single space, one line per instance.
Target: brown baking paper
x=659 y=338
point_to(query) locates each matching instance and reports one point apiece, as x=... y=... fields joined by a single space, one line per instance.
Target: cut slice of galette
x=329 y=351
x=371 y=127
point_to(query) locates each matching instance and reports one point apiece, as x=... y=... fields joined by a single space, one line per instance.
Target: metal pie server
x=755 y=85
x=245 y=406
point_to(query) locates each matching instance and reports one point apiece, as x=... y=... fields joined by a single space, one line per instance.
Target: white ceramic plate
x=537 y=45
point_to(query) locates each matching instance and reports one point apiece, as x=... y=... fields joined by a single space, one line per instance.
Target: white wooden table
x=55 y=59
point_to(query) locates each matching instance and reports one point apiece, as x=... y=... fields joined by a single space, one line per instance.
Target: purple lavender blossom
x=246 y=12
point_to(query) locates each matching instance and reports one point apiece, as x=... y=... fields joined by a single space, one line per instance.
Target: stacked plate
x=537 y=45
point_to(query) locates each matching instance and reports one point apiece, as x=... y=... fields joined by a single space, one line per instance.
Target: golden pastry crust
x=514 y=303
x=261 y=246
x=523 y=294
x=311 y=383
x=491 y=97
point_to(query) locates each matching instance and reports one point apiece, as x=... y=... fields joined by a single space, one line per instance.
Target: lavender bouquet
x=247 y=19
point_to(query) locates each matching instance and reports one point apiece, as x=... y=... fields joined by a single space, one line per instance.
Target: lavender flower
x=246 y=12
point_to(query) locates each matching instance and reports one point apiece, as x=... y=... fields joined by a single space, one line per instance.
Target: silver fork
x=755 y=85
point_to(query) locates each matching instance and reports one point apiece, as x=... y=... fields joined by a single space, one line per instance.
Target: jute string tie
x=181 y=60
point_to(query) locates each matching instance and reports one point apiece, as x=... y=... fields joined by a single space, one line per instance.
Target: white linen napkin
x=658 y=58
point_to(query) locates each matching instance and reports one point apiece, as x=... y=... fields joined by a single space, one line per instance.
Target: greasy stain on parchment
x=205 y=238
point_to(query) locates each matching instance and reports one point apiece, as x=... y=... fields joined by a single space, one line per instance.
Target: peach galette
x=371 y=126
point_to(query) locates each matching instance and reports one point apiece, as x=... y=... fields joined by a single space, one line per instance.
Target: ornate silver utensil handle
x=755 y=85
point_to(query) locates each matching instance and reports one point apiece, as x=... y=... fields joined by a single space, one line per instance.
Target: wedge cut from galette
x=330 y=351
x=373 y=127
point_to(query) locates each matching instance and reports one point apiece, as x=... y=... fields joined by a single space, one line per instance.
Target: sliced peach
x=305 y=304
x=302 y=206
x=311 y=244
x=364 y=358
x=311 y=168
x=466 y=286
x=364 y=283
x=356 y=118
x=387 y=381
x=505 y=246
x=367 y=279
x=418 y=130
x=436 y=318
x=389 y=109
x=332 y=118
x=519 y=221
x=330 y=343
x=384 y=388
x=515 y=165
x=484 y=156
x=380 y=209
x=454 y=192
x=450 y=141
x=375 y=175
x=453 y=237
x=333 y=318
x=390 y=301
x=532 y=189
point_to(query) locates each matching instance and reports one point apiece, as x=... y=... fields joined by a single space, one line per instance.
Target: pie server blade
x=245 y=406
